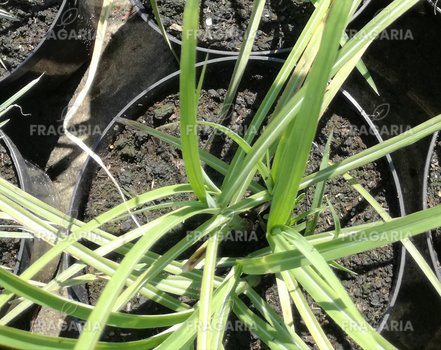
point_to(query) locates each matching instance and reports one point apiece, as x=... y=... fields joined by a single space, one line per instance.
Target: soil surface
x=141 y=163
x=434 y=192
x=8 y=247
x=18 y=38
x=223 y=23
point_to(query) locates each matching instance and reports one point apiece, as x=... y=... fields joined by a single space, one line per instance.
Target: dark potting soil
x=141 y=163
x=8 y=247
x=223 y=23
x=19 y=38
x=434 y=193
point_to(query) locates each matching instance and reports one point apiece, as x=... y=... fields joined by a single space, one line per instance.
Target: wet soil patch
x=434 y=193
x=18 y=38
x=8 y=247
x=223 y=23
x=141 y=163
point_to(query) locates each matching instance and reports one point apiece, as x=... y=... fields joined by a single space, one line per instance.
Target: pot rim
x=16 y=72
x=65 y=56
x=24 y=181
x=435 y=259
x=145 y=15
x=400 y=273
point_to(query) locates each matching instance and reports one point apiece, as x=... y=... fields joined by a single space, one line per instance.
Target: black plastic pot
x=63 y=50
x=412 y=321
x=402 y=259
x=147 y=16
x=434 y=255
x=34 y=181
x=133 y=108
x=145 y=98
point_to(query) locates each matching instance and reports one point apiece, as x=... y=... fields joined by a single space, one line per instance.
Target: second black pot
x=62 y=51
x=34 y=181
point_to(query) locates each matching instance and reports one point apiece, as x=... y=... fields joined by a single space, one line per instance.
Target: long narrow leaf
x=189 y=100
x=346 y=245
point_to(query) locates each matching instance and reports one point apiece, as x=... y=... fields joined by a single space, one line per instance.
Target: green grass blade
x=285 y=301
x=354 y=48
x=360 y=330
x=262 y=329
x=188 y=330
x=301 y=133
x=272 y=317
x=221 y=315
x=205 y=329
x=375 y=152
x=410 y=247
x=243 y=57
x=5 y=105
x=212 y=161
x=278 y=84
x=23 y=340
x=319 y=190
x=99 y=316
x=370 y=238
x=335 y=218
x=201 y=79
x=155 y=9
x=189 y=100
x=24 y=289
x=15 y=235
x=364 y=71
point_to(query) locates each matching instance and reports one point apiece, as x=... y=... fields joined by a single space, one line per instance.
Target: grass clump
x=298 y=256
